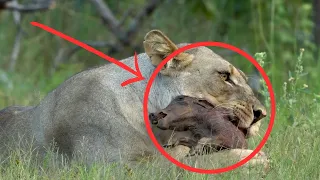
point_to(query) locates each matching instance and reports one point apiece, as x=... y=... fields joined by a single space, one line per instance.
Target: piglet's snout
x=153 y=118
x=156 y=117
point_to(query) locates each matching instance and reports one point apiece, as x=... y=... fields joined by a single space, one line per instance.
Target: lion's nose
x=259 y=113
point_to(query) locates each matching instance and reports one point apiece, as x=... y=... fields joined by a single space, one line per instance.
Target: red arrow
x=136 y=72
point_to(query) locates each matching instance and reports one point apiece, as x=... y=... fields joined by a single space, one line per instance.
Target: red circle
x=219 y=170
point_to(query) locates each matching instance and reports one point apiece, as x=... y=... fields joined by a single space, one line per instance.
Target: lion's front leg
x=259 y=159
x=227 y=157
x=178 y=152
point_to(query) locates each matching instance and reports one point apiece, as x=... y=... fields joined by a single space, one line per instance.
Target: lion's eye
x=224 y=76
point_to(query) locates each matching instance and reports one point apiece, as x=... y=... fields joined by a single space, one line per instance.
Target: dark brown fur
x=213 y=127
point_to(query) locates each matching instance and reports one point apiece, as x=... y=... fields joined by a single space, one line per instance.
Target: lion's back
x=8 y=114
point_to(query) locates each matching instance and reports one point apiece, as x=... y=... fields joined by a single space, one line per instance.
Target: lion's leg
x=259 y=159
x=225 y=158
x=178 y=152
x=91 y=147
x=239 y=154
x=87 y=151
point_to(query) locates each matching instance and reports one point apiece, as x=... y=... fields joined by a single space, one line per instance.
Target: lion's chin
x=254 y=129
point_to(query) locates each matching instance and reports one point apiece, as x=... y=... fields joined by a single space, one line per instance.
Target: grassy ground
x=293 y=153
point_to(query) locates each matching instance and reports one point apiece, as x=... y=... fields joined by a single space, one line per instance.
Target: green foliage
x=282 y=29
x=299 y=103
x=204 y=7
x=260 y=57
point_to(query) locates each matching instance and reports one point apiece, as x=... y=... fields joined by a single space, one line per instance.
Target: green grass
x=293 y=153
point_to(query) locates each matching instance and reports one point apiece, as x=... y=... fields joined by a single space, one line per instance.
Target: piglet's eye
x=180 y=98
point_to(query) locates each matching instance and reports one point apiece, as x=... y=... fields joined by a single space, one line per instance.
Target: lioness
x=91 y=115
x=212 y=128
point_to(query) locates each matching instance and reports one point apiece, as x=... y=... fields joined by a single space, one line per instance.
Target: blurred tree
x=316 y=30
x=278 y=27
x=124 y=35
x=13 y=5
x=34 y=5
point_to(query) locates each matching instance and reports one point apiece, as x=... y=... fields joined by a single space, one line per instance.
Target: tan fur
x=92 y=116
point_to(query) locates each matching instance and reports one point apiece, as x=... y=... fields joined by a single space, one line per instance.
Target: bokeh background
x=34 y=62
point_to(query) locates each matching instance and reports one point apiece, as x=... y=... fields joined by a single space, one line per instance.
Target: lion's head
x=204 y=74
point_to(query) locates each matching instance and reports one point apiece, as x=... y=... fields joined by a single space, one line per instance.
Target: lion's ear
x=158 y=46
x=243 y=75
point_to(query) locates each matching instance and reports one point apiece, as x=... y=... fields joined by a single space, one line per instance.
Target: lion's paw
x=260 y=158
